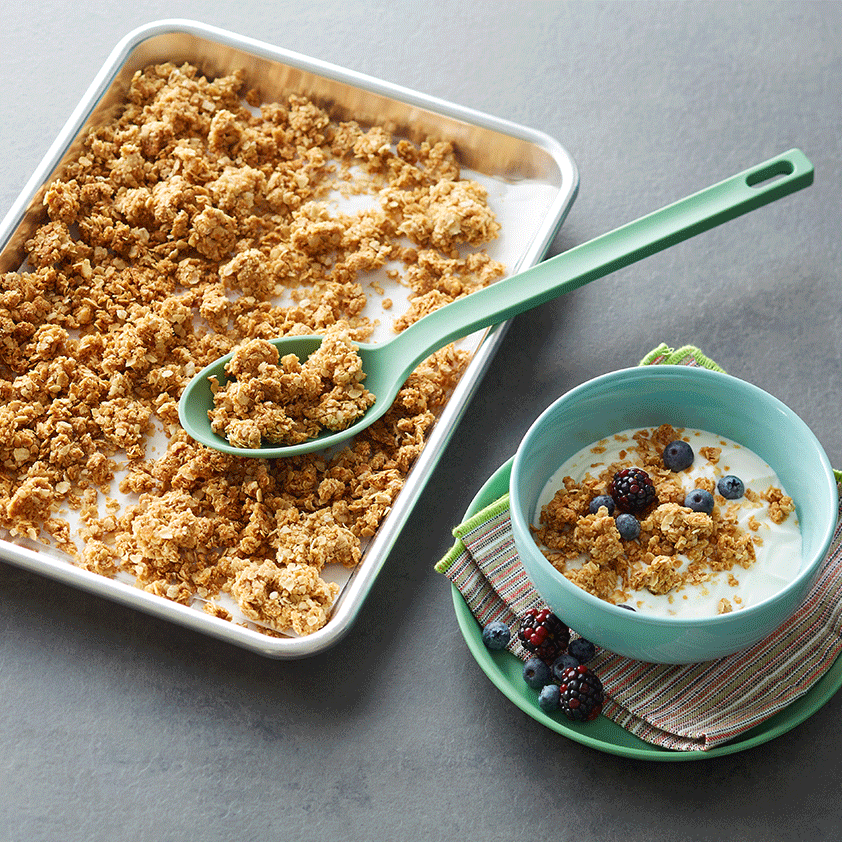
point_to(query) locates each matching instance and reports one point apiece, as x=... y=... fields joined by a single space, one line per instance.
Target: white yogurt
x=778 y=558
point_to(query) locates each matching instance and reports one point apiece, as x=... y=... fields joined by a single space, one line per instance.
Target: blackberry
x=699 y=500
x=580 y=694
x=543 y=633
x=678 y=455
x=628 y=526
x=598 y=502
x=731 y=487
x=496 y=635
x=582 y=650
x=536 y=673
x=632 y=490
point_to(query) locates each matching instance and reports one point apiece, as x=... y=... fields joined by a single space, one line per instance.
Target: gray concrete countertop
x=116 y=725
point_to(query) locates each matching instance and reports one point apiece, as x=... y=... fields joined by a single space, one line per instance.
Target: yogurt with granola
x=685 y=549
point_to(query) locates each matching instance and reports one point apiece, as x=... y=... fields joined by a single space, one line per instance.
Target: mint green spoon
x=388 y=365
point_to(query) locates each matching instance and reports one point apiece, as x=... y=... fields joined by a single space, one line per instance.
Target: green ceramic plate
x=504 y=670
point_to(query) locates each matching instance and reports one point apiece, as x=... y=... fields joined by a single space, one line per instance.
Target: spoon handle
x=577 y=266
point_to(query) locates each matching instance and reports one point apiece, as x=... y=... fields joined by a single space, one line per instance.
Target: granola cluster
x=284 y=401
x=676 y=546
x=196 y=220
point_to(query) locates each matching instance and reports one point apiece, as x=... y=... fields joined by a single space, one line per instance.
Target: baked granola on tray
x=194 y=222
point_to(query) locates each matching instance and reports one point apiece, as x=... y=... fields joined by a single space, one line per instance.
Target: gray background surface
x=115 y=725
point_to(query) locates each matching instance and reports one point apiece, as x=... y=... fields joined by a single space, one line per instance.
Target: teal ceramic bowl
x=683 y=396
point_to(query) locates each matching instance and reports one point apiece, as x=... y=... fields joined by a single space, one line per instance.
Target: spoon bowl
x=387 y=365
x=382 y=379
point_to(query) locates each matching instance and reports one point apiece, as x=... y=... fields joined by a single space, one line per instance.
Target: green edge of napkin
x=492 y=510
x=664 y=355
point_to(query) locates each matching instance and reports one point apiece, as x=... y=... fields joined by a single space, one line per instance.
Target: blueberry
x=678 y=455
x=561 y=663
x=496 y=635
x=548 y=698
x=536 y=673
x=628 y=526
x=582 y=650
x=626 y=606
x=731 y=487
x=601 y=500
x=699 y=500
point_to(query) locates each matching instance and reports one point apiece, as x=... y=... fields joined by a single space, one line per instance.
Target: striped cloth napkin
x=684 y=707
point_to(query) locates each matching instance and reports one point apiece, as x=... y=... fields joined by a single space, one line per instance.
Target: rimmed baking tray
x=532 y=183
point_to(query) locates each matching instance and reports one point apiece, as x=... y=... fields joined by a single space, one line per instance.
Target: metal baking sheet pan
x=531 y=181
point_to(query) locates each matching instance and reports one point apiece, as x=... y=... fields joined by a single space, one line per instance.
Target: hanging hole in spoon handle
x=772 y=172
x=781 y=176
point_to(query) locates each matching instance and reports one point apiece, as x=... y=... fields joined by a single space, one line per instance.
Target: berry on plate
x=548 y=698
x=581 y=696
x=537 y=673
x=561 y=663
x=496 y=635
x=582 y=650
x=543 y=633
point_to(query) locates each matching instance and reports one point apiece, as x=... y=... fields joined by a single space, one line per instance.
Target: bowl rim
x=521 y=524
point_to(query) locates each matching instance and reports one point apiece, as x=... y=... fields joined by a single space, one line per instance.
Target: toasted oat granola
x=284 y=401
x=197 y=220
x=587 y=548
